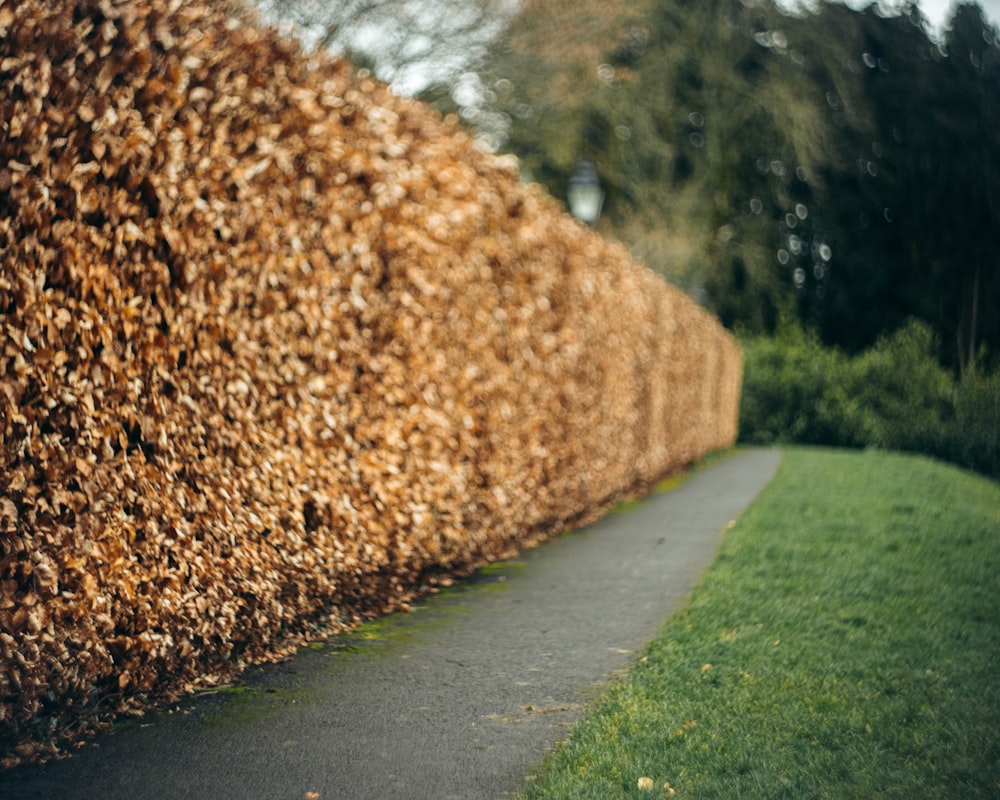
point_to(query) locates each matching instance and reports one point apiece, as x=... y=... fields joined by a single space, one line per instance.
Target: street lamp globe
x=584 y=193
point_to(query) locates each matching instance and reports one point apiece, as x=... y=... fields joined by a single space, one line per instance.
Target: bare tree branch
x=408 y=43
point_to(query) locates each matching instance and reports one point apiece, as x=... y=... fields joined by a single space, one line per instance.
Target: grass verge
x=844 y=644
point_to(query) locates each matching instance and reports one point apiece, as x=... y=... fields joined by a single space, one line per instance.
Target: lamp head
x=584 y=194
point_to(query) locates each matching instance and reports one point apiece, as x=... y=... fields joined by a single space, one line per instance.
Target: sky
x=938 y=12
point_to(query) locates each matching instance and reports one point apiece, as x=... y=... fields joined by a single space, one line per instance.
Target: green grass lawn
x=844 y=644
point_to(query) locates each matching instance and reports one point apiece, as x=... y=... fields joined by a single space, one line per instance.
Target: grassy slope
x=846 y=643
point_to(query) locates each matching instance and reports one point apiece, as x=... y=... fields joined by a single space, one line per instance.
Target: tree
x=549 y=76
x=910 y=176
x=678 y=103
x=410 y=44
x=966 y=265
x=869 y=70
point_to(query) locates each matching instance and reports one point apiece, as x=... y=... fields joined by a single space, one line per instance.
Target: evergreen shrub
x=894 y=396
x=974 y=432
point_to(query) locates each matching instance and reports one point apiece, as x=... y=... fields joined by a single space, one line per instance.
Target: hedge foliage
x=279 y=348
x=895 y=396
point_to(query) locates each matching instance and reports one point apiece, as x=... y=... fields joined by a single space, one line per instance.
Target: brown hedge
x=276 y=349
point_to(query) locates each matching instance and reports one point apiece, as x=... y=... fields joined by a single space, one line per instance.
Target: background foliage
x=894 y=396
x=840 y=161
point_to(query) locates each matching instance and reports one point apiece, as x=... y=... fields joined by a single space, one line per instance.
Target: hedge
x=278 y=350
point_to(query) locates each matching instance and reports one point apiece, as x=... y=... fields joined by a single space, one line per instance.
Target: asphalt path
x=457 y=700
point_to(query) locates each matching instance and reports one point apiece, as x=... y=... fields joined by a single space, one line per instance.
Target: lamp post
x=584 y=193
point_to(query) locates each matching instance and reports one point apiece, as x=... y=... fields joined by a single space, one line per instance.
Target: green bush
x=791 y=392
x=895 y=396
x=904 y=398
x=974 y=433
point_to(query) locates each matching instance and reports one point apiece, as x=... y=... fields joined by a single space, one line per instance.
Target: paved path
x=459 y=699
